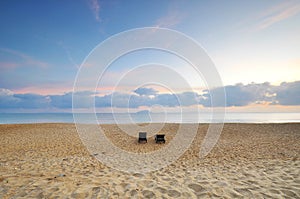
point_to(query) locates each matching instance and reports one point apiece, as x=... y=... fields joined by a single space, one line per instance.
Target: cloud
x=85 y=98
x=19 y=59
x=236 y=95
x=22 y=101
x=95 y=7
x=170 y=20
x=7 y=100
x=10 y=100
x=31 y=101
x=239 y=95
x=68 y=52
x=8 y=65
x=288 y=93
x=278 y=13
x=123 y=100
x=145 y=91
x=22 y=71
x=188 y=98
x=147 y=97
x=61 y=101
x=168 y=100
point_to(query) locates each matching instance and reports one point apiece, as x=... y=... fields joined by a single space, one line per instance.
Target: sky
x=255 y=46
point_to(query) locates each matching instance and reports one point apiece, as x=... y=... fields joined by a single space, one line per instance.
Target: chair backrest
x=160 y=136
x=142 y=135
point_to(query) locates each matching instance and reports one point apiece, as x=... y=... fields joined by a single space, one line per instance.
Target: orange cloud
x=170 y=20
x=95 y=7
x=26 y=59
x=43 y=90
x=278 y=13
x=8 y=65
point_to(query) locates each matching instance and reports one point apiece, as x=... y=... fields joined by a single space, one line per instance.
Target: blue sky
x=43 y=43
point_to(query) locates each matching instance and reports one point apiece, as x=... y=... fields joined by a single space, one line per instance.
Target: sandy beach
x=249 y=161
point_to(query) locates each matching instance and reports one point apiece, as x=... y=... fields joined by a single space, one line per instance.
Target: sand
x=249 y=161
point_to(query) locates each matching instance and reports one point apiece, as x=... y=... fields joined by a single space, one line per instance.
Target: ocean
x=108 y=118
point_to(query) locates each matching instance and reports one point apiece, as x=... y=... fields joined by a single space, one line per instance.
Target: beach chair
x=142 y=137
x=160 y=138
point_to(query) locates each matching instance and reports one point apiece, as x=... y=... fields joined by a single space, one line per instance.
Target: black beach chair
x=142 y=137
x=160 y=138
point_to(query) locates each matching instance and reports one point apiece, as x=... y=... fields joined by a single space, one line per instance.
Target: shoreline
x=125 y=118
x=143 y=123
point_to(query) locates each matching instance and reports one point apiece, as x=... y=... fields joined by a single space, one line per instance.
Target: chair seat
x=160 y=138
x=142 y=137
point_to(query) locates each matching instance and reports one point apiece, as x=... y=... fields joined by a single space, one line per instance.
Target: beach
x=248 y=161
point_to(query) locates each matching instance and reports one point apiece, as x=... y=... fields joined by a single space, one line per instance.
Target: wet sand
x=249 y=161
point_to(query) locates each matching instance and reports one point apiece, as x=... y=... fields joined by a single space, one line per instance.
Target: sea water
x=124 y=118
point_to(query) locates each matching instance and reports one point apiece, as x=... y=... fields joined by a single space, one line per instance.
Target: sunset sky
x=255 y=45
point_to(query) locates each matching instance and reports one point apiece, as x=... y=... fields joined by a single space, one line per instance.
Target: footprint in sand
x=138 y=175
x=125 y=186
x=54 y=189
x=133 y=193
x=173 y=193
x=161 y=190
x=234 y=194
x=95 y=191
x=148 y=194
x=265 y=195
x=148 y=183
x=274 y=191
x=244 y=192
x=196 y=188
x=3 y=191
x=186 y=195
x=78 y=195
x=289 y=193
